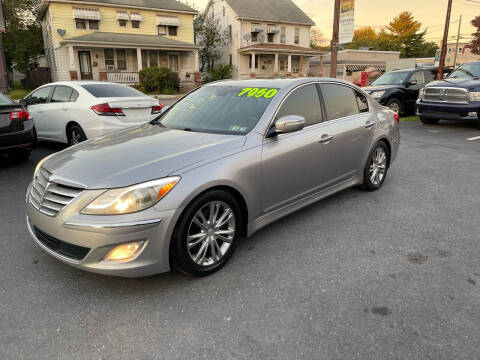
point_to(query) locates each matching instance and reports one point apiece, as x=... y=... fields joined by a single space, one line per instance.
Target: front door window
x=85 y=65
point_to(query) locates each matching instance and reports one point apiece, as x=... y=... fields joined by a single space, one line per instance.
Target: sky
x=378 y=13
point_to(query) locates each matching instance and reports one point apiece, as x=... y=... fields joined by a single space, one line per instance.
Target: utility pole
x=458 y=40
x=444 y=43
x=334 y=43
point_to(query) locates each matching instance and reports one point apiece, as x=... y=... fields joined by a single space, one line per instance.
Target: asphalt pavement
x=388 y=275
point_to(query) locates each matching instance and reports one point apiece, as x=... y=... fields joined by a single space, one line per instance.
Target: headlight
x=377 y=94
x=474 y=96
x=131 y=199
x=40 y=163
x=421 y=93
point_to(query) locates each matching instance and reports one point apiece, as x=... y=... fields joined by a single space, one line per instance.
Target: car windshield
x=467 y=71
x=392 y=78
x=112 y=90
x=219 y=109
x=5 y=100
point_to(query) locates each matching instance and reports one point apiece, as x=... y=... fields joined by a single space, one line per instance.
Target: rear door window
x=62 y=94
x=340 y=101
x=303 y=102
x=361 y=101
x=112 y=91
x=41 y=96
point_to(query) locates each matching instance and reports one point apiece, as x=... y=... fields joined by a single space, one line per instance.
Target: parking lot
x=388 y=275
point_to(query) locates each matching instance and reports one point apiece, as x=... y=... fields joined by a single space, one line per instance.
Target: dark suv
x=399 y=89
x=456 y=97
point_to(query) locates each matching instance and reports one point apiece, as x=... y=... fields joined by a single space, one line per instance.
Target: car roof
x=80 y=83
x=273 y=83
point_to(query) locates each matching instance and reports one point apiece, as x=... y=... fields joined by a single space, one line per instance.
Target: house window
x=283 y=34
x=122 y=23
x=295 y=64
x=271 y=38
x=109 y=58
x=121 y=59
x=230 y=59
x=80 y=24
x=94 y=24
x=297 y=36
x=254 y=36
x=135 y=24
x=449 y=50
x=144 y=59
x=224 y=12
x=282 y=65
x=153 y=57
x=460 y=50
x=230 y=32
x=172 y=31
x=173 y=63
x=162 y=30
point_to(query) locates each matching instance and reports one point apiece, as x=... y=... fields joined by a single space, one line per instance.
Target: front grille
x=50 y=197
x=71 y=251
x=446 y=95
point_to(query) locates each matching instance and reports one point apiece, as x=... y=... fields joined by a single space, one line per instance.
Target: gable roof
x=168 y=5
x=268 y=10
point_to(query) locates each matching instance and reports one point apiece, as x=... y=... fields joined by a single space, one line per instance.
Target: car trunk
x=8 y=125
x=135 y=109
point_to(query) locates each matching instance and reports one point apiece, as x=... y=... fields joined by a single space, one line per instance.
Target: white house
x=266 y=38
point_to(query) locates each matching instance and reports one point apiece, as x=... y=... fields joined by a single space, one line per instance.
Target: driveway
x=388 y=275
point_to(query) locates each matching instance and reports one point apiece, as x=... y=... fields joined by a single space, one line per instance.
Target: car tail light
x=157 y=109
x=397 y=117
x=20 y=115
x=106 y=110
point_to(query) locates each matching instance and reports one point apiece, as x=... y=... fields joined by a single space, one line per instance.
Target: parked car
x=74 y=111
x=221 y=163
x=399 y=89
x=17 y=131
x=456 y=97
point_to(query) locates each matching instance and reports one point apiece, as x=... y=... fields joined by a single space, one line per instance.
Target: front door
x=85 y=65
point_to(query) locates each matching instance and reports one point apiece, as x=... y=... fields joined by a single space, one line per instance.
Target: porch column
x=139 y=59
x=253 y=62
x=301 y=65
x=290 y=63
x=73 y=69
x=276 y=63
x=197 y=65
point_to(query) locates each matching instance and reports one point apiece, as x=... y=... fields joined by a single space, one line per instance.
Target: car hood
x=464 y=83
x=137 y=155
x=380 y=88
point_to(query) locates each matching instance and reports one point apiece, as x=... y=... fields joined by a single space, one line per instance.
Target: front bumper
x=95 y=236
x=20 y=139
x=446 y=111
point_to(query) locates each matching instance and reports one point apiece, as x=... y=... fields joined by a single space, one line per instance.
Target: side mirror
x=23 y=102
x=412 y=82
x=289 y=124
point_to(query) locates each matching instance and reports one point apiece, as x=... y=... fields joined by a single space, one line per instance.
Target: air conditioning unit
x=110 y=67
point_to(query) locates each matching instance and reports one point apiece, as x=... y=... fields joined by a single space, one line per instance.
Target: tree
x=475 y=43
x=316 y=38
x=211 y=40
x=406 y=30
x=23 y=40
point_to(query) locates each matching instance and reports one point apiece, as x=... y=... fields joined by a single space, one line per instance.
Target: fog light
x=472 y=114
x=124 y=253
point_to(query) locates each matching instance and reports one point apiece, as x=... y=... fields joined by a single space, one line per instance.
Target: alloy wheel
x=395 y=107
x=211 y=233
x=75 y=137
x=378 y=167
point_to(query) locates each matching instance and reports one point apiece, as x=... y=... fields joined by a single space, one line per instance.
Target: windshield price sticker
x=258 y=93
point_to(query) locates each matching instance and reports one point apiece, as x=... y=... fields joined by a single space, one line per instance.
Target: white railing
x=123 y=77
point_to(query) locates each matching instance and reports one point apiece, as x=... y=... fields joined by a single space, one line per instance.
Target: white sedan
x=74 y=111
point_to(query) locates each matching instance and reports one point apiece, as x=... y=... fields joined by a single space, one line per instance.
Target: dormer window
x=122 y=18
x=136 y=20
x=87 y=19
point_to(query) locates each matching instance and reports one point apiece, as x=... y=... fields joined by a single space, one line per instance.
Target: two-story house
x=112 y=40
x=265 y=38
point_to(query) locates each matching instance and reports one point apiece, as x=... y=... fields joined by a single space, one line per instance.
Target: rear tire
x=376 y=169
x=429 y=121
x=75 y=135
x=196 y=249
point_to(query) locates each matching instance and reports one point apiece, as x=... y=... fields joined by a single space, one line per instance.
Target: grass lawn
x=409 y=118
x=18 y=94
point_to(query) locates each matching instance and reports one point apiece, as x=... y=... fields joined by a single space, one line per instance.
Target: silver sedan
x=226 y=160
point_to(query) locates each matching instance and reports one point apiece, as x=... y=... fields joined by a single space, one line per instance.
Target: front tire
x=429 y=121
x=75 y=135
x=207 y=234
x=376 y=169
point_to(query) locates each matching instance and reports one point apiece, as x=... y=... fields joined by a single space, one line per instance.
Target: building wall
x=60 y=16
x=464 y=54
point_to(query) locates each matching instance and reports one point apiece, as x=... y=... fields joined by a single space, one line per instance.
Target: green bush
x=220 y=72
x=158 y=79
x=18 y=94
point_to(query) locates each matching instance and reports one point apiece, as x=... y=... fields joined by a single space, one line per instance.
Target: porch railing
x=123 y=77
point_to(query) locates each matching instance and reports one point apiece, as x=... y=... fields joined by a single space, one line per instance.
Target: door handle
x=369 y=124
x=325 y=139
x=65 y=109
